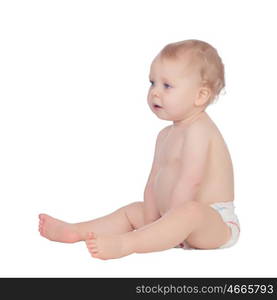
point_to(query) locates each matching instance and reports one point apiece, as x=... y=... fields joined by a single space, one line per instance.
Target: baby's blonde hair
x=205 y=57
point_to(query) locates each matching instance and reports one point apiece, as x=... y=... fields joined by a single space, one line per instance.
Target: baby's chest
x=171 y=151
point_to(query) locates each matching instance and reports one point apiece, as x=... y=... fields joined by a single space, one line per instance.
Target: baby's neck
x=188 y=120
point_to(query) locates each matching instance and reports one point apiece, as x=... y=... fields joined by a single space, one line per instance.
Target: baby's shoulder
x=204 y=126
x=164 y=131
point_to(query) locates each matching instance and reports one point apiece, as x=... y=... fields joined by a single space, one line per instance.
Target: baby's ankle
x=82 y=236
x=128 y=243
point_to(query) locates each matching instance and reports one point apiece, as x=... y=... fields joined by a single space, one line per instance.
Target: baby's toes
x=91 y=239
x=91 y=236
x=40 y=225
x=41 y=231
x=89 y=244
x=41 y=218
x=42 y=228
x=92 y=245
x=93 y=249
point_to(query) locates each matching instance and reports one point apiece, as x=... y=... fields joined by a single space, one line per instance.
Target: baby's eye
x=167 y=86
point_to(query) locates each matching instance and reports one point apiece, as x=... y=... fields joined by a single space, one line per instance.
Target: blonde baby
x=189 y=194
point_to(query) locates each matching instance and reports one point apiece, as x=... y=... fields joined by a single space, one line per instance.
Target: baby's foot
x=57 y=230
x=107 y=246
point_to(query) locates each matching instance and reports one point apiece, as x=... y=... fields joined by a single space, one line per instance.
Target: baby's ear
x=203 y=97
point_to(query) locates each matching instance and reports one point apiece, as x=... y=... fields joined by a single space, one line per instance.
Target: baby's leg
x=125 y=219
x=197 y=223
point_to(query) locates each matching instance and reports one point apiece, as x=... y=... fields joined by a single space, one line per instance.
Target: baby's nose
x=155 y=93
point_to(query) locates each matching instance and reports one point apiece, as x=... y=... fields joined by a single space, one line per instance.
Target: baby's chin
x=165 y=118
x=165 y=115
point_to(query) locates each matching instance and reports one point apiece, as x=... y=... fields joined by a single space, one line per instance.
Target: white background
x=77 y=137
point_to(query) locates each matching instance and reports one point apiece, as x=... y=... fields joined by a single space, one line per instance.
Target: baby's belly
x=209 y=191
x=163 y=186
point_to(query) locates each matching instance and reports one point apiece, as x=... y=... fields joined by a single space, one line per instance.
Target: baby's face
x=174 y=88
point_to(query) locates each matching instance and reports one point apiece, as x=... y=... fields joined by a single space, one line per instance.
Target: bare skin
x=191 y=169
x=125 y=219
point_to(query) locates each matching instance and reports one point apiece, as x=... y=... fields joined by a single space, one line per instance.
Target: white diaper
x=227 y=212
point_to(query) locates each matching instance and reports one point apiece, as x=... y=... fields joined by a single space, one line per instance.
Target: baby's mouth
x=156 y=106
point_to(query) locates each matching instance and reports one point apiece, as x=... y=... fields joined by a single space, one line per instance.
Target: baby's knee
x=135 y=206
x=134 y=213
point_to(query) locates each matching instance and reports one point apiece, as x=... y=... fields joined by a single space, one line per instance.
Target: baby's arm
x=151 y=212
x=194 y=158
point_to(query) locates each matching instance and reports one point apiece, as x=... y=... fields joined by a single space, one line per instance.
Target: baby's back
x=217 y=184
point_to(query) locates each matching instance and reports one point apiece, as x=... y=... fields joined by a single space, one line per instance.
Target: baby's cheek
x=175 y=105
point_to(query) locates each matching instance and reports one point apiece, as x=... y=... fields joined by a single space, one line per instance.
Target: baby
x=188 y=198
